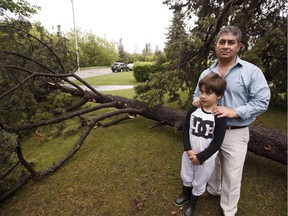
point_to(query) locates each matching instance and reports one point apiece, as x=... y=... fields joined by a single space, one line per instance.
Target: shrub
x=143 y=70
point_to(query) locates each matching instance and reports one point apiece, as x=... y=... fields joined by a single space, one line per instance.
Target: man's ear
x=241 y=47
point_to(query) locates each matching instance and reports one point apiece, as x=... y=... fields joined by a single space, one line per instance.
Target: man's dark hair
x=213 y=83
x=230 y=29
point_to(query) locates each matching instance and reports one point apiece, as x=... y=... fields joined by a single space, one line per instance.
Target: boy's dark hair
x=213 y=83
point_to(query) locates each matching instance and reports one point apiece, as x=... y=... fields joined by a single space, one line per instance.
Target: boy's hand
x=191 y=153
x=192 y=156
x=195 y=160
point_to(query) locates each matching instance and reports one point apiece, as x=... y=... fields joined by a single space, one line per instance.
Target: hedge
x=142 y=70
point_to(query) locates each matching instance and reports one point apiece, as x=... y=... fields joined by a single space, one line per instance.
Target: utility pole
x=75 y=37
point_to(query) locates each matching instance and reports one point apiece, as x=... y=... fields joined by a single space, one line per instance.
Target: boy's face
x=208 y=99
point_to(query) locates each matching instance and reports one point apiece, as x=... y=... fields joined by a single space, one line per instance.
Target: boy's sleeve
x=186 y=129
x=218 y=137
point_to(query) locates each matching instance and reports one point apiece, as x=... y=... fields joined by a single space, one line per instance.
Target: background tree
x=177 y=41
x=264 y=27
x=121 y=52
x=93 y=50
x=177 y=76
x=160 y=57
x=147 y=51
x=21 y=8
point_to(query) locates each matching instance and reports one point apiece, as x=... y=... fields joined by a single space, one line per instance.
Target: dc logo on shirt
x=201 y=128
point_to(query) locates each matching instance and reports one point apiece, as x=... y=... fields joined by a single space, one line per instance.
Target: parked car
x=119 y=67
x=130 y=66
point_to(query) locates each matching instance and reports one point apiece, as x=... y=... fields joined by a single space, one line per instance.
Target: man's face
x=227 y=47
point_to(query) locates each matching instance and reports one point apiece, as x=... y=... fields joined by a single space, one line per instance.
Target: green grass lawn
x=129 y=169
x=123 y=78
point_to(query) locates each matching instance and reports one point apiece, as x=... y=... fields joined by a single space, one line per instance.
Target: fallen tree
x=20 y=71
x=267 y=142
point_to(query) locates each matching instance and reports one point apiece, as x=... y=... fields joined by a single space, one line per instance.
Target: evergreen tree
x=264 y=28
x=147 y=51
x=177 y=40
x=121 y=52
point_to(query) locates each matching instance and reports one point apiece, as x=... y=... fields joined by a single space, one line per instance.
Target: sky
x=136 y=22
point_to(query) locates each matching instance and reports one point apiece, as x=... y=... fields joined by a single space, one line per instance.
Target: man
x=247 y=95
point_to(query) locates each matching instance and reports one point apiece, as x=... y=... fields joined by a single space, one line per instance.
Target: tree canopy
x=190 y=42
x=21 y=8
x=93 y=50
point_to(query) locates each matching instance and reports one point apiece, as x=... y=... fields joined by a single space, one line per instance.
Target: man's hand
x=222 y=111
x=196 y=103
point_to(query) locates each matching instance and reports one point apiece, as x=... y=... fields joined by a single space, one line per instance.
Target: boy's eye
x=204 y=92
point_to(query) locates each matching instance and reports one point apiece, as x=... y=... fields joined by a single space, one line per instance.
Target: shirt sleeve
x=185 y=129
x=258 y=97
x=218 y=137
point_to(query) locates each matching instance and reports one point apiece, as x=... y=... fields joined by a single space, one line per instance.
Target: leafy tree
x=93 y=50
x=8 y=80
x=21 y=8
x=264 y=27
x=22 y=42
x=134 y=57
x=33 y=48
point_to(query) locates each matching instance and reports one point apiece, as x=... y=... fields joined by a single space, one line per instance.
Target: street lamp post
x=75 y=36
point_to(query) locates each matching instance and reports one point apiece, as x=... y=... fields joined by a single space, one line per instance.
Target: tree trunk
x=267 y=142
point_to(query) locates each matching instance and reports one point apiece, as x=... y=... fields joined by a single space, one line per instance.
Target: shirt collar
x=239 y=62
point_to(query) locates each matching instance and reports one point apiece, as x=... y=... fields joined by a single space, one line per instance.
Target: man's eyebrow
x=227 y=39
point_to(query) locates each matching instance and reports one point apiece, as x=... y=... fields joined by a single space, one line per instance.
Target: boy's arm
x=186 y=129
x=218 y=137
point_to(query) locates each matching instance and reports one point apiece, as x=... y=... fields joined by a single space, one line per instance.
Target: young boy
x=202 y=136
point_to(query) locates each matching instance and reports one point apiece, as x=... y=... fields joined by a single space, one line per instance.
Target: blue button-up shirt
x=247 y=91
